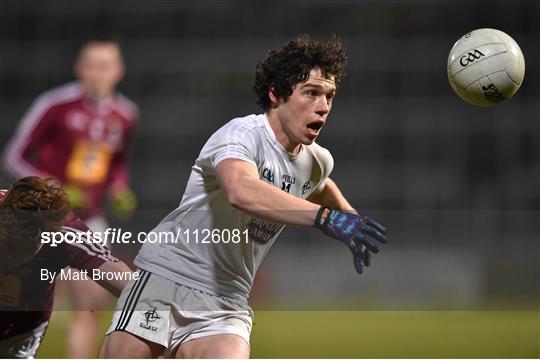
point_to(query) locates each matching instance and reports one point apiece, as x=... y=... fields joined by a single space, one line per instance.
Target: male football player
x=79 y=133
x=30 y=208
x=253 y=176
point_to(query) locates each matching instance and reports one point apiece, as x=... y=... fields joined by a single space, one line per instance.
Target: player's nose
x=322 y=106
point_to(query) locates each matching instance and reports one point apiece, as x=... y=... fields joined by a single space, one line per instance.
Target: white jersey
x=212 y=246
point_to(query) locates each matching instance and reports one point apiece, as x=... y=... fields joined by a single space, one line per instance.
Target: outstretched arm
x=330 y=196
x=246 y=192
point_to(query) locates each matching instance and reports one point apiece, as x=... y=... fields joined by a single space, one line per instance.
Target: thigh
x=223 y=346
x=121 y=344
x=209 y=326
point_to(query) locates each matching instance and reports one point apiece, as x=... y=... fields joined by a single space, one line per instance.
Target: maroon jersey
x=26 y=301
x=68 y=136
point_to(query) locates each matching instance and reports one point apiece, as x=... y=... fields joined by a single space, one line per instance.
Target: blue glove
x=359 y=233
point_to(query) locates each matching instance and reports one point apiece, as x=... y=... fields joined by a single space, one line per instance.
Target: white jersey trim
x=90 y=247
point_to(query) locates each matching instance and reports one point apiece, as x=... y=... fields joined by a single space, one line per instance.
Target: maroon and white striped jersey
x=26 y=301
x=66 y=135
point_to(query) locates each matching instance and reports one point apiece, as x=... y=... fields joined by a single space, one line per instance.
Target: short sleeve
x=325 y=163
x=87 y=255
x=235 y=140
x=86 y=252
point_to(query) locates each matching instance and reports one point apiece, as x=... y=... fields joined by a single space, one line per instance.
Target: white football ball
x=485 y=67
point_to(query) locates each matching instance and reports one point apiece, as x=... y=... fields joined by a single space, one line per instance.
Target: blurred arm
x=118 y=176
x=115 y=286
x=123 y=200
x=32 y=130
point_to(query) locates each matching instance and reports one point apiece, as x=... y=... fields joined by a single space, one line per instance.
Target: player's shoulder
x=126 y=107
x=74 y=223
x=86 y=249
x=246 y=123
x=242 y=126
x=322 y=156
x=318 y=150
x=61 y=94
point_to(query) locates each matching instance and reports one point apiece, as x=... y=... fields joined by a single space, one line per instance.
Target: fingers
x=358 y=264
x=374 y=225
x=372 y=232
x=367 y=242
x=361 y=261
x=367 y=258
x=364 y=242
x=372 y=229
x=361 y=256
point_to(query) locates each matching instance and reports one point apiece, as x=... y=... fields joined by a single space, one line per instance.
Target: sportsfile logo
x=470 y=57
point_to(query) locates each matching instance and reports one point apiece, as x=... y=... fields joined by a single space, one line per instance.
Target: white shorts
x=23 y=346
x=159 y=310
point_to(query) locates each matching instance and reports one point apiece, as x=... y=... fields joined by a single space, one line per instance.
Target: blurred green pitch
x=373 y=334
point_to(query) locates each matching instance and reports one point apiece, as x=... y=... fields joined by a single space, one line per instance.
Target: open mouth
x=315 y=126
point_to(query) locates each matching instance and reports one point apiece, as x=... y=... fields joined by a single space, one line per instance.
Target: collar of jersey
x=270 y=131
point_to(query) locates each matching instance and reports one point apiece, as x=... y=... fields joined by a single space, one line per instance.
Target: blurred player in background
x=79 y=134
x=253 y=176
x=33 y=206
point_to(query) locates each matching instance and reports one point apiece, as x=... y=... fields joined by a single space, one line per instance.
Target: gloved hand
x=77 y=197
x=123 y=202
x=359 y=233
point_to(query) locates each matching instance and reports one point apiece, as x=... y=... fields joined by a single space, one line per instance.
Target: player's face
x=100 y=69
x=304 y=113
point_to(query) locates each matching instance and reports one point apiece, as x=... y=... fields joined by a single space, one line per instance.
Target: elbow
x=13 y=161
x=238 y=198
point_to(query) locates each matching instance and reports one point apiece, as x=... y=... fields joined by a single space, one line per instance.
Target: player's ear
x=274 y=99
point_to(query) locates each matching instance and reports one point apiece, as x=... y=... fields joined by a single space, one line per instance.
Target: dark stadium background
x=457 y=186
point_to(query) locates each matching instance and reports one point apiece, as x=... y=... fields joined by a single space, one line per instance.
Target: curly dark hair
x=289 y=65
x=30 y=206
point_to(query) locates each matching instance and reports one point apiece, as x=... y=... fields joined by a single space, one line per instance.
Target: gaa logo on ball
x=485 y=67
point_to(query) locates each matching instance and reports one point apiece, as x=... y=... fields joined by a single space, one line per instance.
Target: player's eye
x=329 y=98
